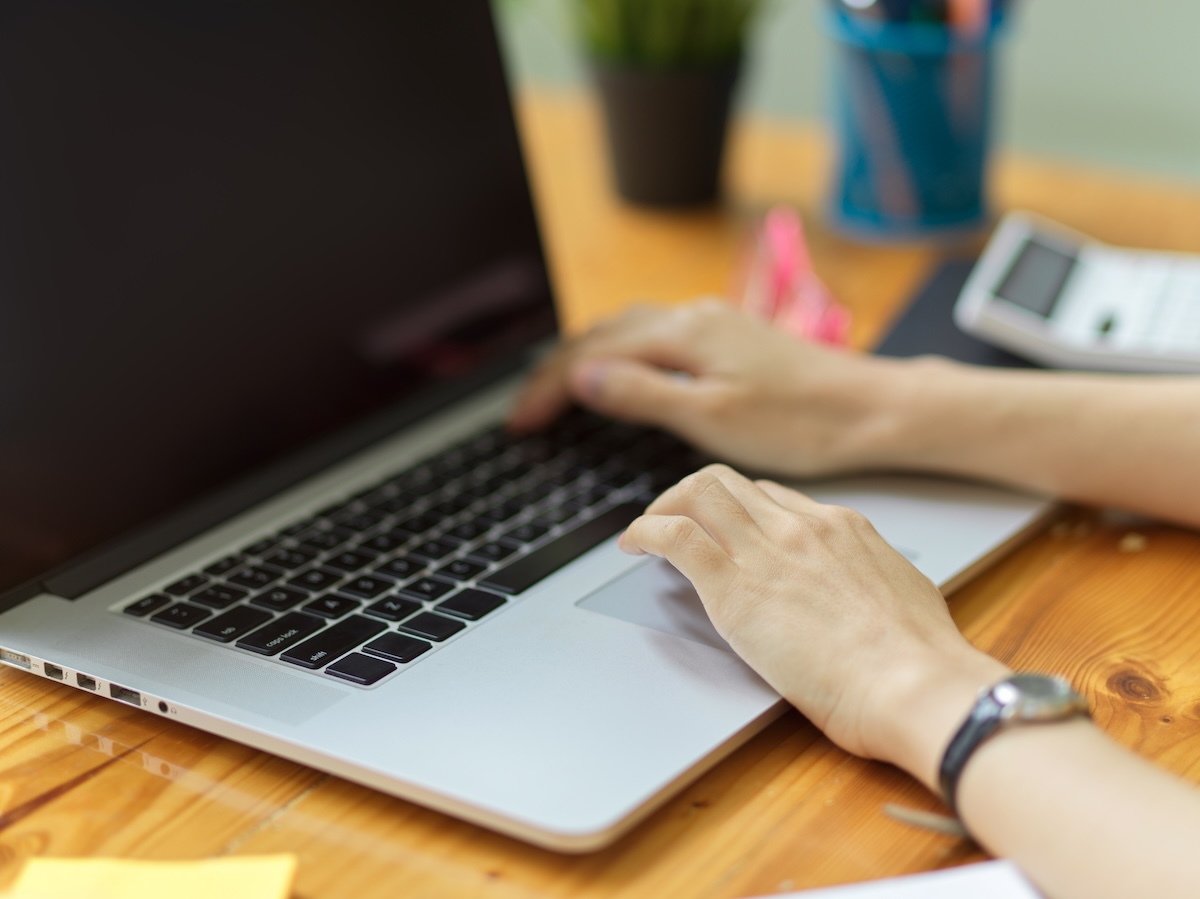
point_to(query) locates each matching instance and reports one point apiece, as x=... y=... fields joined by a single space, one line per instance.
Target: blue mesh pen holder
x=913 y=107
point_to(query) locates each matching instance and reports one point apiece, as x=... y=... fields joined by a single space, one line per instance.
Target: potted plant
x=665 y=72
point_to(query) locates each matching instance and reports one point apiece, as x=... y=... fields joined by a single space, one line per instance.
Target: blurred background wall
x=1110 y=84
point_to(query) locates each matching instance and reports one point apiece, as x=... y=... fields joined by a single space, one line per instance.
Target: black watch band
x=983 y=721
x=1018 y=699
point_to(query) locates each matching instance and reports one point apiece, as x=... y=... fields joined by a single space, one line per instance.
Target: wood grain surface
x=1113 y=603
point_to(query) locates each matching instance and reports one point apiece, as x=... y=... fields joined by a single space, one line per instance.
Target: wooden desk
x=1114 y=605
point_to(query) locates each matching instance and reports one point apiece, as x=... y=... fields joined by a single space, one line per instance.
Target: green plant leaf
x=666 y=33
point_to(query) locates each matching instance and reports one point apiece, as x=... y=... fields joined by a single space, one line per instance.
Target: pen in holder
x=913 y=82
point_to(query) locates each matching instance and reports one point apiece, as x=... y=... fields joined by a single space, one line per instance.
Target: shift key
x=525 y=571
x=333 y=642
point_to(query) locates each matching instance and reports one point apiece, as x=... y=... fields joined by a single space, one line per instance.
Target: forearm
x=1077 y=813
x=1116 y=440
x=1081 y=815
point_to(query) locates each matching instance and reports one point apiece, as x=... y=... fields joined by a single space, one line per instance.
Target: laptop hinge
x=86 y=573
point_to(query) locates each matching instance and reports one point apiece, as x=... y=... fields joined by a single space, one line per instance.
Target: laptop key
x=351 y=560
x=325 y=541
x=291 y=558
x=186 y=585
x=471 y=604
x=434 y=550
x=281 y=633
x=426 y=588
x=401 y=568
x=316 y=579
x=469 y=530
x=181 y=616
x=510 y=508
x=332 y=606
x=261 y=547
x=556 y=514
x=419 y=524
x=333 y=642
x=360 y=669
x=431 y=626
x=366 y=586
x=522 y=573
x=384 y=543
x=227 y=564
x=460 y=570
x=232 y=624
x=146 y=605
x=219 y=596
x=397 y=647
x=256 y=578
x=494 y=551
x=393 y=505
x=393 y=608
x=363 y=521
x=527 y=532
x=280 y=599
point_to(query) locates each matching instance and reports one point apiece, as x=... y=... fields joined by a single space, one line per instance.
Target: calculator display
x=1036 y=277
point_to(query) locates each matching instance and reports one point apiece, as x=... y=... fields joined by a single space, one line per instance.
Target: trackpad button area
x=656 y=596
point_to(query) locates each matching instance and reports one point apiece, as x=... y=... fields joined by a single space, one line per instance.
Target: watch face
x=1037 y=697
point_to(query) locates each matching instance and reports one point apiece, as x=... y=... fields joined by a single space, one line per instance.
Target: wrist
x=871 y=402
x=924 y=703
x=906 y=400
x=924 y=408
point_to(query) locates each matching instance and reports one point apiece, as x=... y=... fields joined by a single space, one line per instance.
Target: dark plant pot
x=666 y=131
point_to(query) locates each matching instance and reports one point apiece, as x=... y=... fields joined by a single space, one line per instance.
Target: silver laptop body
x=257 y=264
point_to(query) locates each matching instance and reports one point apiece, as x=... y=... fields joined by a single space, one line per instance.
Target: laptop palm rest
x=656 y=596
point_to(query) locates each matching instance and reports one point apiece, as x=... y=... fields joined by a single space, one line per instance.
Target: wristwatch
x=1018 y=699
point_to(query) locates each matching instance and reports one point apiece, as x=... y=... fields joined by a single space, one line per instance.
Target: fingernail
x=589 y=380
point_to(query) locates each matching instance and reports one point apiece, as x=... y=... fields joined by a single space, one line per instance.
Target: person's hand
x=728 y=383
x=813 y=599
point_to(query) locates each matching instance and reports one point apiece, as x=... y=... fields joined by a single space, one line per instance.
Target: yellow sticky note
x=235 y=877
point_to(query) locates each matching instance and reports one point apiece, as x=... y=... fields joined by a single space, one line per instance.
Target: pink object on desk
x=781 y=286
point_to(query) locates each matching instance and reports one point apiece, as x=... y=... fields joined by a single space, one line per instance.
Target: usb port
x=8 y=657
x=52 y=671
x=133 y=697
x=88 y=683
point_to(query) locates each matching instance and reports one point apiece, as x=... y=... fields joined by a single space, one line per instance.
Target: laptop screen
x=229 y=228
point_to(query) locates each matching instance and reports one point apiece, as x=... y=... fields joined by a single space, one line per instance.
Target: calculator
x=1065 y=300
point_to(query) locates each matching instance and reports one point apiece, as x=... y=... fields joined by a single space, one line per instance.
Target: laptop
x=270 y=276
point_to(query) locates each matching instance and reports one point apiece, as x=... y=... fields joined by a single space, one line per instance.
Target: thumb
x=633 y=391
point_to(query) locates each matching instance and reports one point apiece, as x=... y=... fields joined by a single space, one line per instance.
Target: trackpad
x=656 y=596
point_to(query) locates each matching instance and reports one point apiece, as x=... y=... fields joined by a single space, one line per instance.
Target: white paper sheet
x=984 y=880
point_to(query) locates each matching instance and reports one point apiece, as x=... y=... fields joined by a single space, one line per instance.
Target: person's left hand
x=813 y=599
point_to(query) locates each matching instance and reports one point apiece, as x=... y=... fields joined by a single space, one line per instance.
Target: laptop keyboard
x=377 y=580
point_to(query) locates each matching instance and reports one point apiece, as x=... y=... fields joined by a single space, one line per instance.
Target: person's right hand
x=835 y=619
x=727 y=383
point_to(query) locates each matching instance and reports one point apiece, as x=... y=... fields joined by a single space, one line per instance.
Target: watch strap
x=983 y=721
x=1018 y=699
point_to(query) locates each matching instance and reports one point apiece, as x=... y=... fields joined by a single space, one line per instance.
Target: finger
x=843 y=519
x=657 y=337
x=706 y=499
x=544 y=396
x=677 y=338
x=746 y=492
x=755 y=500
x=634 y=391
x=662 y=336
x=682 y=542
x=546 y=393
x=788 y=498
